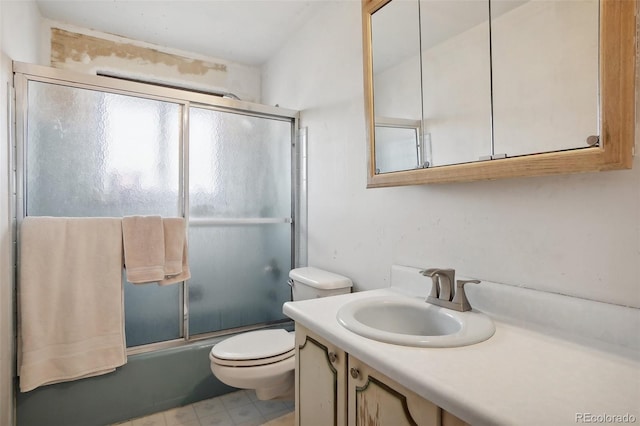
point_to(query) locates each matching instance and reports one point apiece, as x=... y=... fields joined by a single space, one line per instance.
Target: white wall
x=570 y=234
x=19 y=40
x=21 y=31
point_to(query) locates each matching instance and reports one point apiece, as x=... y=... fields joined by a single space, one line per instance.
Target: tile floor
x=240 y=408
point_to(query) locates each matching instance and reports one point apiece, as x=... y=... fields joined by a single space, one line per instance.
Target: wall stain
x=66 y=45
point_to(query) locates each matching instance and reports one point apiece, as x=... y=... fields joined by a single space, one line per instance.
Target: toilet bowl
x=264 y=360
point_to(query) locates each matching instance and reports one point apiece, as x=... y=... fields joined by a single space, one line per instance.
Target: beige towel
x=176 y=263
x=182 y=276
x=173 y=245
x=70 y=299
x=143 y=238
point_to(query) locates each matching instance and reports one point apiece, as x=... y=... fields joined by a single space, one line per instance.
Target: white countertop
x=517 y=377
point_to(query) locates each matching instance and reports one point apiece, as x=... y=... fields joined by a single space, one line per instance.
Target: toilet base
x=271 y=381
x=284 y=391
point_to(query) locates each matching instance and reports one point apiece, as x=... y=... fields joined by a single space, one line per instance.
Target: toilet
x=264 y=360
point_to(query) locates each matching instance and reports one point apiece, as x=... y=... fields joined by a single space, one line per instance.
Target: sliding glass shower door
x=91 y=153
x=116 y=149
x=240 y=226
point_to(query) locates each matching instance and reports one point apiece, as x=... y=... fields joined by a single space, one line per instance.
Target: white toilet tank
x=310 y=283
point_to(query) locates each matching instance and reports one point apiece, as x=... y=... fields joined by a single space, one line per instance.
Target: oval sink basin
x=412 y=322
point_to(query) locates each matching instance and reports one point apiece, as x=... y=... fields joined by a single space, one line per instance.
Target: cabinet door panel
x=320 y=381
x=374 y=399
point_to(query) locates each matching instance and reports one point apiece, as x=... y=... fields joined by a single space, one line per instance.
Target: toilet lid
x=255 y=345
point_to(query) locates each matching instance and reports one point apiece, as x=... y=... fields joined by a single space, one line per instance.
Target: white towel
x=143 y=238
x=71 y=315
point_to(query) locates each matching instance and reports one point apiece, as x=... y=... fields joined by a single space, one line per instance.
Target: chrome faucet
x=442 y=291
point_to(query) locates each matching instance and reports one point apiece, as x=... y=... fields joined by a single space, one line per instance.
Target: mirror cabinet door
x=545 y=75
x=456 y=79
x=397 y=103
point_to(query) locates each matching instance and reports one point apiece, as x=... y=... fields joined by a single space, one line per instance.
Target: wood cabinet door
x=321 y=370
x=376 y=400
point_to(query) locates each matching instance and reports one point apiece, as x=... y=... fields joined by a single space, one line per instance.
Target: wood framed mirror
x=607 y=141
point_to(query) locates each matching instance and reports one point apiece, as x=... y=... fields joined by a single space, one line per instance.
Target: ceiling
x=245 y=31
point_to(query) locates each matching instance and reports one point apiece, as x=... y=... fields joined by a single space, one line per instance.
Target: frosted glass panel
x=152 y=313
x=91 y=153
x=238 y=275
x=239 y=166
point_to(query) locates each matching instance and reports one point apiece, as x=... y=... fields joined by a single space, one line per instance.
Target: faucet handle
x=434 y=281
x=436 y=271
x=460 y=297
x=444 y=277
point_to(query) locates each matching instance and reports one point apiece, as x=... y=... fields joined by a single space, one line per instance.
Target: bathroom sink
x=413 y=322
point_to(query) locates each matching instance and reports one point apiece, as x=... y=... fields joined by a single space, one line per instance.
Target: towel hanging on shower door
x=70 y=310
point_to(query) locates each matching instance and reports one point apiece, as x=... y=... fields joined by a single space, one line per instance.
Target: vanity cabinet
x=335 y=388
x=375 y=399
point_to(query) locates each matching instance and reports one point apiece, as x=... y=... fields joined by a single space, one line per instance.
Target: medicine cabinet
x=487 y=89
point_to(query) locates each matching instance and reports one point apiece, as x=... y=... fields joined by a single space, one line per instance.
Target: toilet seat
x=254 y=348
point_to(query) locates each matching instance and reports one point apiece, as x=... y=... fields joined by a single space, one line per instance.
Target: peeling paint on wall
x=91 y=52
x=66 y=45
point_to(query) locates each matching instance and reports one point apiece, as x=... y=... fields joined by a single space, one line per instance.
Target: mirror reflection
x=398 y=145
x=397 y=103
x=456 y=79
x=486 y=79
x=545 y=75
